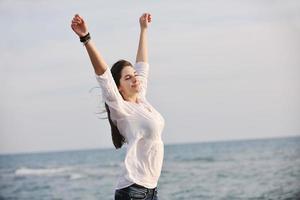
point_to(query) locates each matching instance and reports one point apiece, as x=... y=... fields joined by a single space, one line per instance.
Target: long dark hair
x=117 y=138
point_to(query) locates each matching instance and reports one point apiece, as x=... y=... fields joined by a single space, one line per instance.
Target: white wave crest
x=76 y=176
x=39 y=172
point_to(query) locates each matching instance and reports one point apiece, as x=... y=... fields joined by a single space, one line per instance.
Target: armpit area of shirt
x=104 y=75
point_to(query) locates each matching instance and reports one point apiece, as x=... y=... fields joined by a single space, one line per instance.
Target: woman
x=132 y=118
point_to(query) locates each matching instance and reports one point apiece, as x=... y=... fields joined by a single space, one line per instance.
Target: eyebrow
x=135 y=73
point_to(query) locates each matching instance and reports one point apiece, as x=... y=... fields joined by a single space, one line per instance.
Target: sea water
x=246 y=169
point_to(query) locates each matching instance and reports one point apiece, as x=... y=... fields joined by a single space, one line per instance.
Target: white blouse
x=141 y=125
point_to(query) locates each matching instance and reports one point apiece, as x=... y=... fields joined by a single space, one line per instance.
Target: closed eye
x=127 y=77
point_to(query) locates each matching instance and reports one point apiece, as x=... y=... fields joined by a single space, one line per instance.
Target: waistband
x=140 y=186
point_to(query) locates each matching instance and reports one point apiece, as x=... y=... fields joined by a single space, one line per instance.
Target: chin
x=136 y=89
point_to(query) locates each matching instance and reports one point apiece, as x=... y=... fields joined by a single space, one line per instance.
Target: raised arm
x=142 y=52
x=79 y=26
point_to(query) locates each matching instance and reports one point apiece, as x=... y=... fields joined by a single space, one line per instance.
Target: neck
x=133 y=98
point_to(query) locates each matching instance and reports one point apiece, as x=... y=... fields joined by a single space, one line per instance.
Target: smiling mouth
x=135 y=85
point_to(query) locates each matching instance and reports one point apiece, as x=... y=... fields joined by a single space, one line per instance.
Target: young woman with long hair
x=132 y=118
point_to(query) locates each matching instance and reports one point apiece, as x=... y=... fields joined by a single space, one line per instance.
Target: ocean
x=228 y=170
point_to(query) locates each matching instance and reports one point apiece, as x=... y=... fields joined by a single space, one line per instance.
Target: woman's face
x=129 y=82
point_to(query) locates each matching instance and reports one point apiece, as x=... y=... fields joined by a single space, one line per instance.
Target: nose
x=134 y=79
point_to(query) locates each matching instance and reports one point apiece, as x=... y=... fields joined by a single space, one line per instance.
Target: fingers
x=146 y=17
x=149 y=18
x=73 y=27
x=77 y=19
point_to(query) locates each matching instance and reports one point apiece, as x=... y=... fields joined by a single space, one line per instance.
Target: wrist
x=82 y=34
x=143 y=28
x=85 y=39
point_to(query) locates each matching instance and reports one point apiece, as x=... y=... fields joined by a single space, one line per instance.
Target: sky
x=219 y=70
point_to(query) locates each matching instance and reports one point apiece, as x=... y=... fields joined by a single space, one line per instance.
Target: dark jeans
x=136 y=192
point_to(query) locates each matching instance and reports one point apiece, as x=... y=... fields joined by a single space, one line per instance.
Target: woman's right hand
x=79 y=26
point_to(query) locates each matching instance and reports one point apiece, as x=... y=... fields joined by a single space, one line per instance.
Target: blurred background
x=220 y=71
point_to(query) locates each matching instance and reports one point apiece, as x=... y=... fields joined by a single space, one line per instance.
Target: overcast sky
x=220 y=70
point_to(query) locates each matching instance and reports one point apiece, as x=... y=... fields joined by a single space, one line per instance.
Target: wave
x=76 y=176
x=23 y=171
x=63 y=171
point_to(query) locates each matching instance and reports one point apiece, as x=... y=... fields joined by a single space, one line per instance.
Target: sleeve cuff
x=141 y=63
x=104 y=75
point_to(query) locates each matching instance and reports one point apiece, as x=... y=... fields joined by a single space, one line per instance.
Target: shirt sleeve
x=142 y=69
x=109 y=88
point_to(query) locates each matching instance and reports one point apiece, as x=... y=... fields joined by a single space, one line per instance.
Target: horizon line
x=165 y=144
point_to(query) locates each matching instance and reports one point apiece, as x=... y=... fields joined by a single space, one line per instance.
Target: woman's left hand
x=145 y=19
